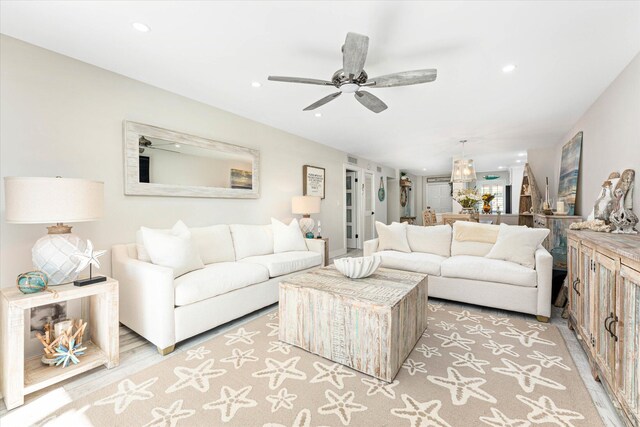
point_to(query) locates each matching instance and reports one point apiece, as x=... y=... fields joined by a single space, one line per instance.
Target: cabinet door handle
x=575 y=285
x=613 y=322
x=606 y=325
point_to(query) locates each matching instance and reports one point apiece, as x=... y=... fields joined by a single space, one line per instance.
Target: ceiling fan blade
x=323 y=101
x=354 y=53
x=300 y=80
x=370 y=101
x=404 y=78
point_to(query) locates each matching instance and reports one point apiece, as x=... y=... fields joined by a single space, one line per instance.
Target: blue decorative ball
x=32 y=282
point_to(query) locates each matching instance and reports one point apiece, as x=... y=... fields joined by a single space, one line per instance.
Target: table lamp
x=306 y=205
x=42 y=200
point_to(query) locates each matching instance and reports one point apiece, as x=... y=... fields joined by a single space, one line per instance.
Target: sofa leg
x=166 y=350
x=542 y=319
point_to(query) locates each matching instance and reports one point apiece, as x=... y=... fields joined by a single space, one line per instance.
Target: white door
x=352 y=211
x=369 y=206
x=439 y=196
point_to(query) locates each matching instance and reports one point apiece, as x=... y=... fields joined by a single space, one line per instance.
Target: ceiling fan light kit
x=352 y=77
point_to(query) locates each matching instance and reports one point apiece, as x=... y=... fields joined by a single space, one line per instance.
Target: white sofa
x=242 y=278
x=459 y=271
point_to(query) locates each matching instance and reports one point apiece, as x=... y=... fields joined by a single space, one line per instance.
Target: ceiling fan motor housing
x=339 y=78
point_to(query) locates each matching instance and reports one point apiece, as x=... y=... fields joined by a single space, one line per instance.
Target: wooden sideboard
x=604 y=304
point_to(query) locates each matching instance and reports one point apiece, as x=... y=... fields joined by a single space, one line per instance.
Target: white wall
x=542 y=162
x=60 y=116
x=611 y=138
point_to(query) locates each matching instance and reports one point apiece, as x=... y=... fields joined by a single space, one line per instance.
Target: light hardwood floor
x=136 y=354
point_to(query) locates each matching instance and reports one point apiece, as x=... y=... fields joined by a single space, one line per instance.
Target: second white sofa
x=459 y=270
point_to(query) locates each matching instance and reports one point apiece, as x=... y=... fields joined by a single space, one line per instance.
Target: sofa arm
x=544 y=270
x=316 y=245
x=370 y=246
x=146 y=297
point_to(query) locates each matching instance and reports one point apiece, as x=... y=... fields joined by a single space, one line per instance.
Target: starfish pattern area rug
x=467 y=369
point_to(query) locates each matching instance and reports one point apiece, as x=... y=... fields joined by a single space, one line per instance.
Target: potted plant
x=486 y=200
x=468 y=198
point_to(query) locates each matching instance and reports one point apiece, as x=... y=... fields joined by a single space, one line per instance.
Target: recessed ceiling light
x=256 y=84
x=518 y=161
x=522 y=154
x=143 y=28
x=508 y=68
x=176 y=145
x=318 y=114
x=424 y=169
x=500 y=167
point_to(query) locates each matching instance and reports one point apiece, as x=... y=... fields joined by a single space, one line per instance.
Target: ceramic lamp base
x=307 y=224
x=52 y=255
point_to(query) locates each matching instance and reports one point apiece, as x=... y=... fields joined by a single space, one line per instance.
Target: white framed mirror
x=161 y=162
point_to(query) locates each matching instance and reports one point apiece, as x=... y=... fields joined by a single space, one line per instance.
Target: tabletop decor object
x=546 y=205
x=32 y=282
x=468 y=199
x=306 y=205
x=359 y=267
x=88 y=257
x=42 y=200
x=486 y=202
x=62 y=342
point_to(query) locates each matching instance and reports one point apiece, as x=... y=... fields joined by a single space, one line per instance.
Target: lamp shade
x=463 y=171
x=305 y=205
x=40 y=200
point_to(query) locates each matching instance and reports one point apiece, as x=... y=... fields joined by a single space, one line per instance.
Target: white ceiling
x=567 y=53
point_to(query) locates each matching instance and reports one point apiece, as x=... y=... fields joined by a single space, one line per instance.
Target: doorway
x=369 y=207
x=439 y=196
x=351 y=209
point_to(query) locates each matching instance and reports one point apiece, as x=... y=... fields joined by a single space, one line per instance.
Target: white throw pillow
x=518 y=244
x=143 y=255
x=251 y=240
x=287 y=238
x=435 y=239
x=175 y=249
x=392 y=237
x=214 y=243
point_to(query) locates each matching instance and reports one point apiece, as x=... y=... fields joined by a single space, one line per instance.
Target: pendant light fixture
x=463 y=169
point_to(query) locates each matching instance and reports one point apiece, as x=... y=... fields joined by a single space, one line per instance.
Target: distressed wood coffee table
x=369 y=324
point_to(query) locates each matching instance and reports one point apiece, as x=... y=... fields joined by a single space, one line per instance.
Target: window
x=497 y=189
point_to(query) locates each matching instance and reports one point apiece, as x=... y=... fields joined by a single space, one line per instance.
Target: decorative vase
x=486 y=207
x=469 y=211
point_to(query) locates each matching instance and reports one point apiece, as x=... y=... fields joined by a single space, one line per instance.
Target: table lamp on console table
x=43 y=200
x=306 y=205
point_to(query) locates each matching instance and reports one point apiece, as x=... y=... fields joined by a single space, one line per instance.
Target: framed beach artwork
x=569 y=169
x=241 y=179
x=313 y=181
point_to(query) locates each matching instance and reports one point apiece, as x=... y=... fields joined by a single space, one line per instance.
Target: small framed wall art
x=313 y=181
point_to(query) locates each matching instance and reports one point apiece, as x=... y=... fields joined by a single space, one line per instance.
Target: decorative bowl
x=358 y=268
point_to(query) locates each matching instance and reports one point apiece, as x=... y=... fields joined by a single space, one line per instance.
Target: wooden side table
x=22 y=376
x=326 y=250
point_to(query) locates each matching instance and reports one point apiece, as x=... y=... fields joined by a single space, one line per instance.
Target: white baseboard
x=337 y=252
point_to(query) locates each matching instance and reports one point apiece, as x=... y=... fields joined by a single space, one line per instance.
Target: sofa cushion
x=251 y=240
x=392 y=237
x=216 y=279
x=285 y=262
x=518 y=244
x=472 y=238
x=175 y=249
x=432 y=240
x=143 y=255
x=287 y=237
x=490 y=270
x=419 y=262
x=214 y=243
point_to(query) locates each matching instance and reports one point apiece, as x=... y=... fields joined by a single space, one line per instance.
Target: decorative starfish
x=436 y=306
x=280 y=346
x=65 y=354
x=447 y=326
x=342 y=406
x=537 y=326
x=376 y=386
x=528 y=376
x=88 y=257
x=198 y=353
x=241 y=336
x=331 y=373
x=501 y=420
x=428 y=351
x=239 y=357
x=497 y=321
x=462 y=388
x=420 y=413
x=479 y=330
x=274 y=329
x=281 y=400
x=303 y=419
x=169 y=417
x=545 y=411
x=197 y=377
x=548 y=361
x=454 y=340
x=469 y=360
x=231 y=401
x=413 y=367
x=127 y=393
x=498 y=349
x=526 y=338
x=465 y=315
x=277 y=372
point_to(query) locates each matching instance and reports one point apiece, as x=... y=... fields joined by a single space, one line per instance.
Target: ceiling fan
x=351 y=78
